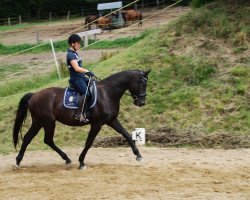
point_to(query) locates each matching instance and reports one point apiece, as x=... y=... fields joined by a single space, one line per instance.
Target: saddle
x=71 y=96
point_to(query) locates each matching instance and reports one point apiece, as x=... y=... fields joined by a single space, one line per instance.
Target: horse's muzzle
x=139 y=103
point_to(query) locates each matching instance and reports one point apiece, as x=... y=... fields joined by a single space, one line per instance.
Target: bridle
x=142 y=80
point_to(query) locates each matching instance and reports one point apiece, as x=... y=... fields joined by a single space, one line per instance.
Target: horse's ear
x=147 y=72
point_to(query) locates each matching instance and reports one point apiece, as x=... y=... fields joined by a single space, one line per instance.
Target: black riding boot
x=79 y=115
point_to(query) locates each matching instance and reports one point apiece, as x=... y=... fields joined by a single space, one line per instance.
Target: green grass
x=217 y=20
x=63 y=45
x=194 y=87
x=6 y=70
x=12 y=87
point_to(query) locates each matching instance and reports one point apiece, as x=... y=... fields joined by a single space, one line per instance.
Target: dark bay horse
x=132 y=15
x=46 y=108
x=91 y=19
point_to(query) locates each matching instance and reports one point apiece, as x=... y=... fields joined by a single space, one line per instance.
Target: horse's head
x=138 y=88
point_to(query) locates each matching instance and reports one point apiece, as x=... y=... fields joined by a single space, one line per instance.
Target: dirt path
x=113 y=173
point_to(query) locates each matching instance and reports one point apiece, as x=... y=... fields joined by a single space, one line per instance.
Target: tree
x=199 y=3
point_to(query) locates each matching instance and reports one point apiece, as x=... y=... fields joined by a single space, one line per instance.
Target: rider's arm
x=76 y=67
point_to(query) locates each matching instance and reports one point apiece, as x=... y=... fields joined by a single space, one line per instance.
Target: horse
x=132 y=15
x=90 y=20
x=46 y=107
x=104 y=22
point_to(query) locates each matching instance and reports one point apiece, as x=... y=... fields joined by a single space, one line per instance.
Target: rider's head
x=73 y=40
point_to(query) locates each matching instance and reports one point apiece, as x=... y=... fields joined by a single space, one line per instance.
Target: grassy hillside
x=200 y=77
x=199 y=82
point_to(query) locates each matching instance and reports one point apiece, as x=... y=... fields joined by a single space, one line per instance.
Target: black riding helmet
x=74 y=38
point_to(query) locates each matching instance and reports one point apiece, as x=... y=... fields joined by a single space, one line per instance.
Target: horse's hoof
x=68 y=162
x=139 y=159
x=68 y=165
x=83 y=167
x=15 y=167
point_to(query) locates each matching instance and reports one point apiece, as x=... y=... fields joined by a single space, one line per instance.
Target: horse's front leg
x=94 y=130
x=116 y=125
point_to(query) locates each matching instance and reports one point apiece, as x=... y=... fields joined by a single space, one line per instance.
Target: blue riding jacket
x=78 y=80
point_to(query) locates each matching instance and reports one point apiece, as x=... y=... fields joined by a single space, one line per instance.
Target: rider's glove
x=90 y=73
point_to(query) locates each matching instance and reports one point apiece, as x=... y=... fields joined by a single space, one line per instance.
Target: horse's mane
x=119 y=74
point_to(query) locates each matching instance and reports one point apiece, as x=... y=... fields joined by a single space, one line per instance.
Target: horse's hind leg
x=32 y=132
x=49 y=129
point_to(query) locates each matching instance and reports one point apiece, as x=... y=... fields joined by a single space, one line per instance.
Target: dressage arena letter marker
x=139 y=136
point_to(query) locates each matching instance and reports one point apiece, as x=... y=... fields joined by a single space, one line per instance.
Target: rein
x=134 y=97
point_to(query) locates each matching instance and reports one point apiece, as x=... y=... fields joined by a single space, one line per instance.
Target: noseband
x=142 y=81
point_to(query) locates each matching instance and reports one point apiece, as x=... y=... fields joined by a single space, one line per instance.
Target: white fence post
x=50 y=16
x=20 y=19
x=179 y=8
x=37 y=36
x=135 y=6
x=86 y=41
x=9 y=21
x=54 y=55
x=68 y=15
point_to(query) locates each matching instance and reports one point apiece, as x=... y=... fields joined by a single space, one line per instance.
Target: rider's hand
x=90 y=73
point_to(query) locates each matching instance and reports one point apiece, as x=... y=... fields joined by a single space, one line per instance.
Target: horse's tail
x=20 y=117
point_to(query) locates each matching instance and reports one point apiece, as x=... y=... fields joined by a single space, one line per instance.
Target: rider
x=77 y=74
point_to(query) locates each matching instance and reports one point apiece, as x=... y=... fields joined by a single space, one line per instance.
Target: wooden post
x=37 y=36
x=50 y=16
x=20 y=19
x=157 y=2
x=135 y=6
x=86 y=41
x=68 y=15
x=54 y=55
x=9 y=21
x=179 y=8
x=82 y=12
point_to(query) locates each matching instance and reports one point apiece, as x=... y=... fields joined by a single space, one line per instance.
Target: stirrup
x=77 y=116
x=83 y=118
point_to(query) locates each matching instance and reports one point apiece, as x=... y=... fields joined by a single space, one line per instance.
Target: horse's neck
x=119 y=84
x=122 y=83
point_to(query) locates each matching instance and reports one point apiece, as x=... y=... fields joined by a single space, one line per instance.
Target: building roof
x=106 y=6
